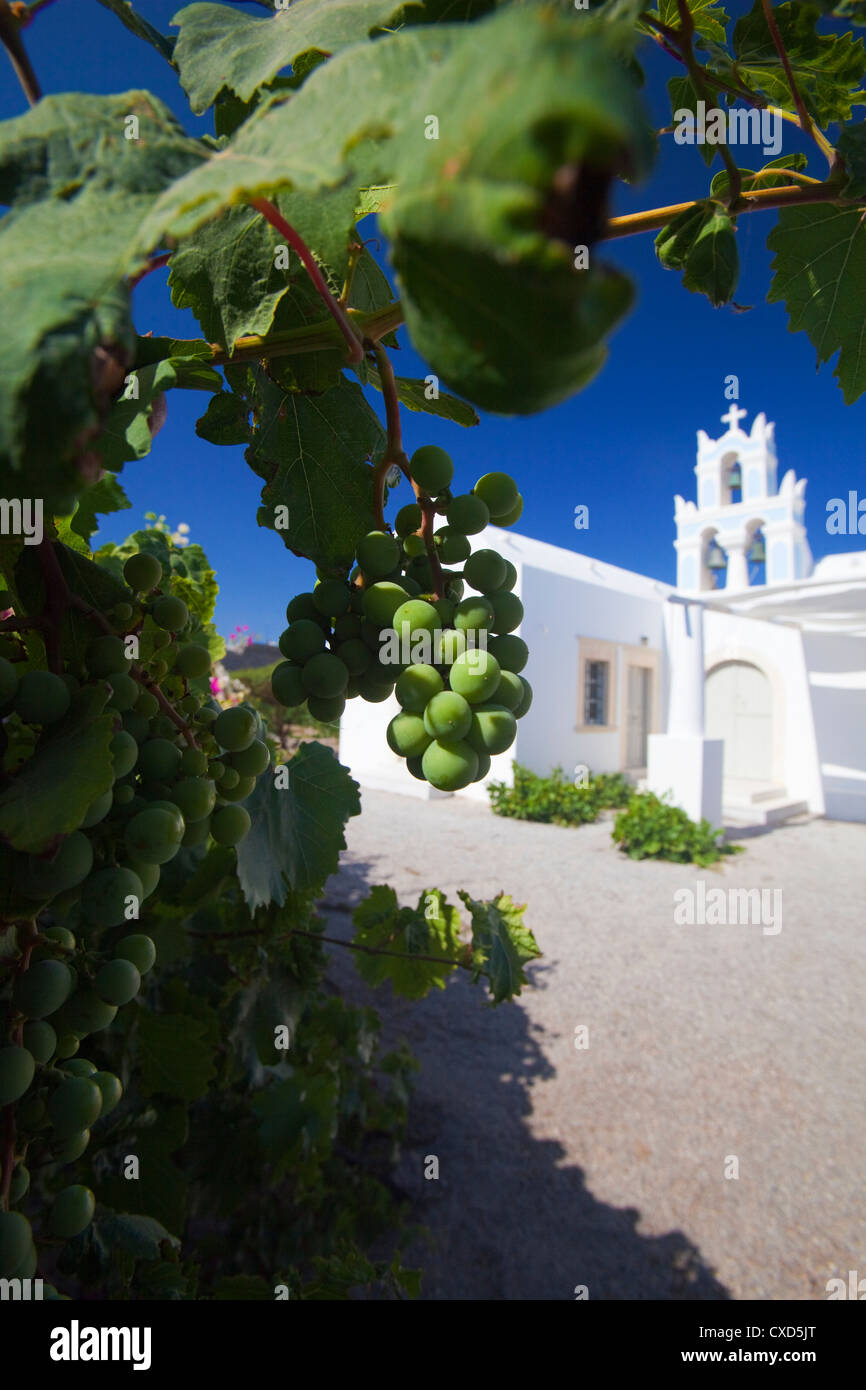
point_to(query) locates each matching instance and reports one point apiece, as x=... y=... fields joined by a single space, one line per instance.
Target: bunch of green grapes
x=403 y=623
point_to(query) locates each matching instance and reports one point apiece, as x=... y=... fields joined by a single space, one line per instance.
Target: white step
x=764 y=813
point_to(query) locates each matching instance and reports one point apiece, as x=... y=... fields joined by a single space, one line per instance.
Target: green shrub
x=555 y=799
x=651 y=828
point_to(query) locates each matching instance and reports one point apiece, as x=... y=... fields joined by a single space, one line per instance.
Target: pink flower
x=214 y=685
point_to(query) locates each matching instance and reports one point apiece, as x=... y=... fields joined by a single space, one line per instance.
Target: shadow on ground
x=506 y=1219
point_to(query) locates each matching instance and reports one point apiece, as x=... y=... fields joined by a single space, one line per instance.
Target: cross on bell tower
x=733 y=418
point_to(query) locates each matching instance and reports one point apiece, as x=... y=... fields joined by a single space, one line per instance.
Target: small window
x=595 y=687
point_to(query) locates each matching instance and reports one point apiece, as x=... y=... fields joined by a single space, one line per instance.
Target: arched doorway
x=739 y=709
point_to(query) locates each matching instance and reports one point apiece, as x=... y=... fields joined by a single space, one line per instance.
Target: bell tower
x=744 y=530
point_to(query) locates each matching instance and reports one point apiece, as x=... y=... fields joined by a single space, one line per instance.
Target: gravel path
x=605 y=1167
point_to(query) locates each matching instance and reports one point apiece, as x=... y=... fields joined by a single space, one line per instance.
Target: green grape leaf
x=412 y=392
x=297 y=829
x=444 y=11
x=218 y=47
x=501 y=945
x=140 y=27
x=226 y=420
x=683 y=97
x=134 y=418
x=297 y=1116
x=827 y=68
x=712 y=265
x=50 y=795
x=773 y=175
x=274 y=1001
x=160 y=1191
x=138 y=1236
x=430 y=929
x=851 y=145
x=820 y=276
x=175 y=1054
x=312 y=452
x=708 y=15
x=483 y=230
x=102 y=498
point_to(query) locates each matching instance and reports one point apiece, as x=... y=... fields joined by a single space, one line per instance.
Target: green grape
x=417 y=685
x=510 y=576
x=230 y=825
x=71 y=1149
x=192 y=661
x=302 y=640
x=507 y=611
x=493 y=729
x=20 y=1185
x=62 y=935
x=196 y=833
x=124 y=794
x=454 y=590
x=509 y=691
x=416 y=767
x=41 y=697
x=475 y=675
x=17 y=1069
x=252 y=761
x=124 y=691
x=432 y=469
x=473 y=614
x=499 y=492
x=104 y=896
x=408 y=519
x=378 y=554
x=163 y=804
x=351 y=688
x=347 y=627
x=521 y=709
x=193 y=762
x=239 y=792
x=372 y=689
x=419 y=570
x=302 y=606
x=139 y=949
x=67 y=1046
x=124 y=753
x=40 y=1040
x=216 y=769
x=137 y=725
x=98 y=810
x=45 y=878
x=83 y=1014
x=230 y=778
x=78 y=1066
x=331 y=597
x=381 y=602
x=170 y=613
x=413 y=619
x=325 y=675
x=195 y=797
x=142 y=572
x=449 y=766
x=509 y=518
x=414 y=545
x=235 y=729
x=371 y=636
x=16 y=1241
x=32 y=1114
x=159 y=760
x=446 y=608
x=355 y=656
x=189 y=705
x=467 y=514
x=40 y=991
x=511 y=652
x=153 y=836
x=163 y=727
x=106 y=657
x=327 y=710
x=286 y=684
x=72 y=1211
x=117 y=982
x=483 y=766
x=73 y=1106
x=453 y=547
x=158 y=668
x=8 y=682
x=111 y=1089
x=206 y=716
x=121 y=614
x=146 y=704
x=407 y=736
x=448 y=717
x=450 y=645
x=485 y=570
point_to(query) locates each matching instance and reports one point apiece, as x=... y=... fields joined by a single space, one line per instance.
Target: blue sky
x=622 y=447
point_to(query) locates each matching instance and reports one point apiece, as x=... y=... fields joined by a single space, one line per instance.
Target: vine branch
x=759 y=198
x=300 y=247
x=805 y=118
x=10 y=37
x=332 y=940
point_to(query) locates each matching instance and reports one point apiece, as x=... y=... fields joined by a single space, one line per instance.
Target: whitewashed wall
x=837 y=683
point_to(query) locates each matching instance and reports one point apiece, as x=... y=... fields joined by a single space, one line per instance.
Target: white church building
x=741 y=692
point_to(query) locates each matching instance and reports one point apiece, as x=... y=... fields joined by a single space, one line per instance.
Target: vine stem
x=788 y=196
x=333 y=941
x=699 y=80
x=300 y=247
x=10 y=37
x=805 y=118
